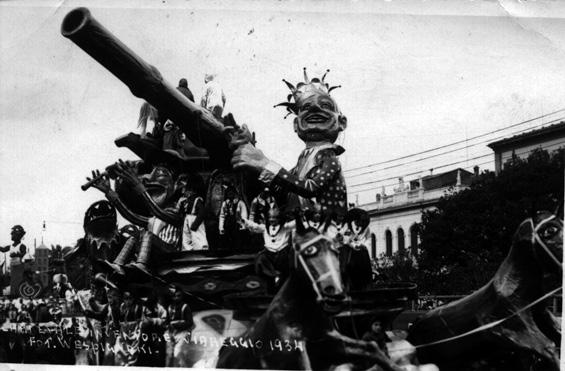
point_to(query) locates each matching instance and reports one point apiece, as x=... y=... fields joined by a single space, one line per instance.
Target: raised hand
x=248 y=156
x=238 y=136
x=101 y=181
x=127 y=170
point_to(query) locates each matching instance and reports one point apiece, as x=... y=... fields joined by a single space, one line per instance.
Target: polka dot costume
x=323 y=183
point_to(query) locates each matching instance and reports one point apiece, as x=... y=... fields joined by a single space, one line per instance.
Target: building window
x=373 y=246
x=400 y=233
x=414 y=239
x=388 y=239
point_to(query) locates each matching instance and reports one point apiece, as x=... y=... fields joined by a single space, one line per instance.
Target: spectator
x=130 y=310
x=129 y=336
x=154 y=321
x=61 y=286
x=181 y=325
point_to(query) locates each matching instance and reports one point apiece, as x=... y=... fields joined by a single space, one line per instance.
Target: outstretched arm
x=270 y=172
x=126 y=171
x=253 y=227
x=125 y=211
x=169 y=216
x=103 y=185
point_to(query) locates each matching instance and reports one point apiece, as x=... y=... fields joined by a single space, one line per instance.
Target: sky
x=415 y=75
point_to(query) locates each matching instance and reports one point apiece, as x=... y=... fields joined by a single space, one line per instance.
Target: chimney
x=476 y=170
x=458 y=184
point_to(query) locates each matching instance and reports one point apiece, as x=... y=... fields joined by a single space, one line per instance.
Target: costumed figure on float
x=101 y=241
x=317 y=176
x=162 y=230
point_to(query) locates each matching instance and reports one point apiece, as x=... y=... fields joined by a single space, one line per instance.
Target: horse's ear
x=327 y=221
x=559 y=211
x=525 y=231
x=300 y=229
x=532 y=210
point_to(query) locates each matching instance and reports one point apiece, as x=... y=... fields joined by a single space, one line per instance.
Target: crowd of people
x=151 y=328
x=20 y=310
x=119 y=311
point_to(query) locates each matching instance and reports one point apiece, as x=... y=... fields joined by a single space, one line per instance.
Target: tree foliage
x=469 y=233
x=401 y=266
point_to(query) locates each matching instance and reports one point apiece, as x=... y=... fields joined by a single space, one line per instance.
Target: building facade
x=42 y=254
x=395 y=217
x=549 y=138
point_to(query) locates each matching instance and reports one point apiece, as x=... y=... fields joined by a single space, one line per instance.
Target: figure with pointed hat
x=317 y=177
x=232 y=212
x=261 y=205
x=355 y=261
x=314 y=218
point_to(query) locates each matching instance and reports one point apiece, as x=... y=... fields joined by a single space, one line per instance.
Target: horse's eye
x=310 y=250
x=549 y=231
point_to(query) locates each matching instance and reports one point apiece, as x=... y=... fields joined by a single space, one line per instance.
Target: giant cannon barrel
x=146 y=82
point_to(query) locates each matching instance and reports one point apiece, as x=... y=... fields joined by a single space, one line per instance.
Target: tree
x=467 y=236
x=401 y=266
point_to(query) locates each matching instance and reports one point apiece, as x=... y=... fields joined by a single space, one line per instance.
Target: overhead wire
x=419 y=172
x=455 y=143
x=454 y=150
x=391 y=184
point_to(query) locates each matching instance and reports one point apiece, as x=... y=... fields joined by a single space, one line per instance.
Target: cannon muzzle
x=146 y=82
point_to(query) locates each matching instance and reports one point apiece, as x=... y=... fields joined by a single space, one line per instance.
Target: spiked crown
x=304 y=89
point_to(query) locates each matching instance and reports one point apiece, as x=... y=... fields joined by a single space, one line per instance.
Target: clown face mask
x=318 y=118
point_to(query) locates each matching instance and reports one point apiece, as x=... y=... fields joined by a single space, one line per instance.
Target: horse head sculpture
x=547 y=238
x=316 y=262
x=507 y=321
x=300 y=317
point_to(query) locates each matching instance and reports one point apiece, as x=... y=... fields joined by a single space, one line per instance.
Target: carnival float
x=319 y=315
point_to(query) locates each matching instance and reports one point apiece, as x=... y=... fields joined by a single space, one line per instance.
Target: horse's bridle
x=536 y=238
x=301 y=248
